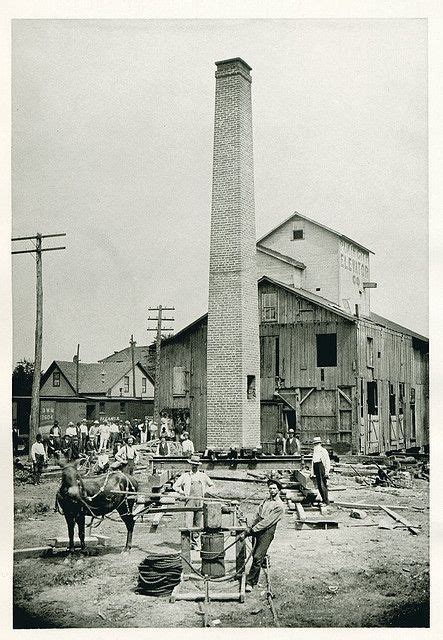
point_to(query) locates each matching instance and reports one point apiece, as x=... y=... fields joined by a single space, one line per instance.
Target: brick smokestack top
x=233 y=405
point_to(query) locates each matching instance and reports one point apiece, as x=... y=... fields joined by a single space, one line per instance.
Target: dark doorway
x=90 y=412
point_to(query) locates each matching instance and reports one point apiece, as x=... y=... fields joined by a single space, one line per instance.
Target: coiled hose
x=159 y=574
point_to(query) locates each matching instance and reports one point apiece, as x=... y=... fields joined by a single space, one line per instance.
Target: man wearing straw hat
x=192 y=485
x=320 y=467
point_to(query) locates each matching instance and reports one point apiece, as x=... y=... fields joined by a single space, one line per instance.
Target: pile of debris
x=394 y=471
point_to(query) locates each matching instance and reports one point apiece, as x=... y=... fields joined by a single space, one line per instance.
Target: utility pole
x=159 y=330
x=77 y=365
x=133 y=343
x=35 y=396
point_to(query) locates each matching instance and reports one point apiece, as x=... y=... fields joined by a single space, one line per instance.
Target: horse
x=79 y=497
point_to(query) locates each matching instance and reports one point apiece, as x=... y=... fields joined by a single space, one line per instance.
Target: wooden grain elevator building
x=329 y=366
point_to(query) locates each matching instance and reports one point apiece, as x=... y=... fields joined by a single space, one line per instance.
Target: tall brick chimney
x=233 y=364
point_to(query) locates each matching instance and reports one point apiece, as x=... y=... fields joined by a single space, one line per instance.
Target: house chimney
x=233 y=355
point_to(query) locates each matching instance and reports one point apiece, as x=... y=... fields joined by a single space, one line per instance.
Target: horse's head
x=72 y=482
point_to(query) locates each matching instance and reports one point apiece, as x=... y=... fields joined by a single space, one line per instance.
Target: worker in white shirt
x=192 y=485
x=71 y=431
x=104 y=433
x=187 y=445
x=320 y=467
x=38 y=456
x=143 y=430
x=83 y=434
x=153 y=430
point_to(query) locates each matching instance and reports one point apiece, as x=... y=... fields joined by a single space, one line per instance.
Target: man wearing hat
x=192 y=485
x=292 y=445
x=263 y=529
x=93 y=433
x=320 y=467
x=127 y=456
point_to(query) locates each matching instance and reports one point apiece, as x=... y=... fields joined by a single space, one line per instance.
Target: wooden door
x=270 y=424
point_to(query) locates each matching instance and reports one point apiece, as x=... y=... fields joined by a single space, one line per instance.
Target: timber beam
x=263 y=462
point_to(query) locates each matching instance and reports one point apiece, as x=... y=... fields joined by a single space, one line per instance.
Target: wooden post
x=157 y=367
x=34 y=425
x=35 y=398
x=159 y=328
x=133 y=343
x=77 y=360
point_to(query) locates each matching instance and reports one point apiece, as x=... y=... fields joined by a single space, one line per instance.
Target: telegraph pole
x=35 y=396
x=159 y=330
x=133 y=343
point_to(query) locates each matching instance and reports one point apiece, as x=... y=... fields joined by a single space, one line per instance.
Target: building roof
x=311 y=297
x=396 y=327
x=282 y=257
x=318 y=224
x=90 y=379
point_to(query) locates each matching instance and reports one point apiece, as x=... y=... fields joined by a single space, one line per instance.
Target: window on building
x=179 y=381
x=122 y=407
x=56 y=379
x=392 y=401
x=269 y=307
x=250 y=388
x=372 y=398
x=298 y=234
x=126 y=384
x=143 y=385
x=370 y=352
x=326 y=349
x=101 y=407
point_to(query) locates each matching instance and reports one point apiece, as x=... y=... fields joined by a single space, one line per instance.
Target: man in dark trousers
x=320 y=467
x=292 y=446
x=263 y=529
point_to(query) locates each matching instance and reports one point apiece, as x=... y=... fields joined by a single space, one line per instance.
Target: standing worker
x=279 y=448
x=187 y=445
x=320 y=467
x=193 y=485
x=292 y=444
x=263 y=529
x=38 y=456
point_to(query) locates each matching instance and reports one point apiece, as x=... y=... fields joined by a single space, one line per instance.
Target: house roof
x=90 y=379
x=296 y=214
x=396 y=327
x=282 y=257
x=140 y=352
x=187 y=328
x=311 y=297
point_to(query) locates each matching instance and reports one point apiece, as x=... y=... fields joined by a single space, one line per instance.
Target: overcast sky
x=112 y=144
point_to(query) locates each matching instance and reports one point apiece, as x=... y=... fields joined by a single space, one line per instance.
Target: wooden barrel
x=213 y=554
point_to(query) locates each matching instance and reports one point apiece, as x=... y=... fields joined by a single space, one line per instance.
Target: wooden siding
x=189 y=352
x=398 y=359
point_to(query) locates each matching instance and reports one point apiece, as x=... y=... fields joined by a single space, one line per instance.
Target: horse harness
x=89 y=508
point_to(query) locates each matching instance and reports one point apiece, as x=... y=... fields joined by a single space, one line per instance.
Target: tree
x=22 y=378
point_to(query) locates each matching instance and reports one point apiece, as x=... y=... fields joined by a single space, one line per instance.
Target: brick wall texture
x=233 y=337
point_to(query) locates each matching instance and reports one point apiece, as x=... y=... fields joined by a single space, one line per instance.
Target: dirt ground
x=353 y=576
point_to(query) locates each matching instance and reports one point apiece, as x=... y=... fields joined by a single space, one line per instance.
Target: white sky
x=112 y=143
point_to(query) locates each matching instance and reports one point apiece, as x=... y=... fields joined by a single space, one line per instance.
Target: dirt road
x=355 y=576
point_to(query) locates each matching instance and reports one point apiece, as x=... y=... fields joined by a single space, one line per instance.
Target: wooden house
x=103 y=390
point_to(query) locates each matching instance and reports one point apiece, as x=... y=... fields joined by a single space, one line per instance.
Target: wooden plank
x=32 y=552
x=300 y=511
x=155 y=522
x=353 y=505
x=403 y=521
x=62 y=543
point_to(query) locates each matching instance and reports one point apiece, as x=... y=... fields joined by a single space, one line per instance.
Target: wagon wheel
x=84 y=466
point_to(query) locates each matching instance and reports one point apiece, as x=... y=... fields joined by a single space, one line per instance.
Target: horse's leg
x=81 y=529
x=70 y=521
x=129 y=523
